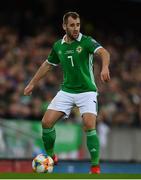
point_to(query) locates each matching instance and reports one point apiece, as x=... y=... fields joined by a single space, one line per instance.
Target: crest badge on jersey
x=79 y=49
x=59 y=52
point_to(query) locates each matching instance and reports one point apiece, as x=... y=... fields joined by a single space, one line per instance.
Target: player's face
x=72 y=28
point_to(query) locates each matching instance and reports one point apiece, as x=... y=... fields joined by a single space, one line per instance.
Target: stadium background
x=28 y=29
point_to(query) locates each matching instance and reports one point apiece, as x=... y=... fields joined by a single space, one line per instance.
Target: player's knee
x=46 y=123
x=89 y=126
x=89 y=121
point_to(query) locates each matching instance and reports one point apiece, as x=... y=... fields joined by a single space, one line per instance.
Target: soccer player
x=75 y=53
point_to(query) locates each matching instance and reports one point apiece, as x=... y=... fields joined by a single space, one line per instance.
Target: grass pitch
x=67 y=176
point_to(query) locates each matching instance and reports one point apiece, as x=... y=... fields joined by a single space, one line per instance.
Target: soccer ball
x=42 y=163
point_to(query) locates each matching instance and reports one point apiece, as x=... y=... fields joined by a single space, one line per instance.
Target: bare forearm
x=42 y=71
x=105 y=57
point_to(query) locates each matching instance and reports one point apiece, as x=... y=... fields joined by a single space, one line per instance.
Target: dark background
x=121 y=15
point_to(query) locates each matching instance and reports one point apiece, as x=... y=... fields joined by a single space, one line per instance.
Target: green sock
x=49 y=136
x=93 y=146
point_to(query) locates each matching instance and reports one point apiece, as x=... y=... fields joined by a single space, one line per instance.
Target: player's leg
x=60 y=106
x=89 y=122
x=48 y=132
x=87 y=103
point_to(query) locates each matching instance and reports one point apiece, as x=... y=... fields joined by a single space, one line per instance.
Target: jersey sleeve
x=53 y=57
x=92 y=45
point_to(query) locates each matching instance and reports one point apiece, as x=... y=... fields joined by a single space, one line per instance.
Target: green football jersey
x=76 y=59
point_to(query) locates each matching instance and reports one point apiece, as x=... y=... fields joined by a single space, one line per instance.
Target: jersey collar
x=78 y=39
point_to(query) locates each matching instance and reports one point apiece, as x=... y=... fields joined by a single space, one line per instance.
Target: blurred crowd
x=119 y=100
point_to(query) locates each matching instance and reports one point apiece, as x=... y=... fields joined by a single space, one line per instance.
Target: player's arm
x=41 y=73
x=105 y=57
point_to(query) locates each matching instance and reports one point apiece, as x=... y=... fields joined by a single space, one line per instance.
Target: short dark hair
x=74 y=15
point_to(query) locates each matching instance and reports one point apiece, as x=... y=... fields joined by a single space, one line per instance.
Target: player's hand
x=28 y=90
x=105 y=74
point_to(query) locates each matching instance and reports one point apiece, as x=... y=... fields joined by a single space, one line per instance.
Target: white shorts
x=64 y=102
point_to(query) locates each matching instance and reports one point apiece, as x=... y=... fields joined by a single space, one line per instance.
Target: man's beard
x=70 y=36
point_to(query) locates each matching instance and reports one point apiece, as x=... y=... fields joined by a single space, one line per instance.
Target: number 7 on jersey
x=71 y=59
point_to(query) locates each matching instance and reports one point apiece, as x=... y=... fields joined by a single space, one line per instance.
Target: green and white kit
x=76 y=60
x=78 y=87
